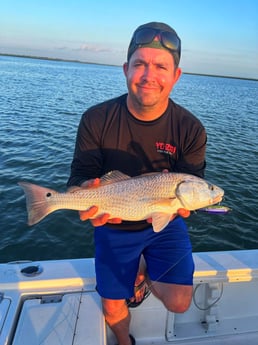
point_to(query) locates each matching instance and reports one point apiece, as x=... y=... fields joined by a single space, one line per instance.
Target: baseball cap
x=156 y=35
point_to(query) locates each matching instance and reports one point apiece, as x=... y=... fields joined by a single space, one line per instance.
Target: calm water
x=41 y=103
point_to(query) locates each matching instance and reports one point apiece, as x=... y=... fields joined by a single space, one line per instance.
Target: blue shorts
x=168 y=255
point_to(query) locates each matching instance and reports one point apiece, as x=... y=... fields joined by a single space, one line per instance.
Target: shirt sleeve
x=87 y=161
x=191 y=158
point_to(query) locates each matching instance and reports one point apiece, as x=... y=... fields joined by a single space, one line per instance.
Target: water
x=41 y=103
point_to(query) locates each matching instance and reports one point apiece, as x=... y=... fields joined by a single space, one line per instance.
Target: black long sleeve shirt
x=110 y=138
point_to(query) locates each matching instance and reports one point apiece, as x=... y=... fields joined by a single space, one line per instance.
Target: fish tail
x=38 y=206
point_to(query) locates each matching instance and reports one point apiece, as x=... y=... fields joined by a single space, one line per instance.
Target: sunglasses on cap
x=169 y=40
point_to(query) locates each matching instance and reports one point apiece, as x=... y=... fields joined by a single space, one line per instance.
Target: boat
x=55 y=302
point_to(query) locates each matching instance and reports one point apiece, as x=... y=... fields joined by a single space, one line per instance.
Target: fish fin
x=116 y=176
x=112 y=177
x=165 y=205
x=160 y=220
x=38 y=206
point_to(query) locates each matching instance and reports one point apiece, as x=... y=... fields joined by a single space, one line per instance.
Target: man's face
x=150 y=76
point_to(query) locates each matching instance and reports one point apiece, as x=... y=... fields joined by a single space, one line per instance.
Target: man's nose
x=149 y=72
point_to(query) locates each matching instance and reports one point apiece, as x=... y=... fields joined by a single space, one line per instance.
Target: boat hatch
x=61 y=319
x=4 y=307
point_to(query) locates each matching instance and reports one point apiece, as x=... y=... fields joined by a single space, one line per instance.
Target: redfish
x=152 y=195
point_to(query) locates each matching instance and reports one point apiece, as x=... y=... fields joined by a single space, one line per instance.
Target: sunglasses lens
x=170 y=40
x=144 y=36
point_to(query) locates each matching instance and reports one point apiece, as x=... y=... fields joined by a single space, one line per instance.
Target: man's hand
x=89 y=214
x=183 y=212
x=100 y=220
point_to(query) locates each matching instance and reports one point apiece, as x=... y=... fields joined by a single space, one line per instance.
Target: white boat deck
x=59 y=305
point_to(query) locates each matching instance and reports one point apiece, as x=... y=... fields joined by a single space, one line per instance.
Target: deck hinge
x=214 y=293
x=51 y=299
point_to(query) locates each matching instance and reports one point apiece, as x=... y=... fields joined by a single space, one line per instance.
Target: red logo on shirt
x=165 y=148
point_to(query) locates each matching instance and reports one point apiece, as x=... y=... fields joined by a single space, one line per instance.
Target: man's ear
x=125 y=68
x=178 y=73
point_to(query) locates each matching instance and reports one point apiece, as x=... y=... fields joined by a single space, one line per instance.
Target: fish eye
x=48 y=195
x=211 y=187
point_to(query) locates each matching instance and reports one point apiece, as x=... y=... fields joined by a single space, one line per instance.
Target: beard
x=145 y=101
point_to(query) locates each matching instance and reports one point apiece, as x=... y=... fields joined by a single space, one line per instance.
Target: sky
x=219 y=37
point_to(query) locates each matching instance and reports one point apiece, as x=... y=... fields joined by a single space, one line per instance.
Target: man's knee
x=114 y=310
x=178 y=305
x=176 y=298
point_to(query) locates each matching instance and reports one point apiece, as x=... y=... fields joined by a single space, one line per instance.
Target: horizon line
x=114 y=65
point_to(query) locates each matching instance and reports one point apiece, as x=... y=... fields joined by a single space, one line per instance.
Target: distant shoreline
x=96 y=63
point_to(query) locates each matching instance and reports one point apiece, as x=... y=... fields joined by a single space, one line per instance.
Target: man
x=140 y=132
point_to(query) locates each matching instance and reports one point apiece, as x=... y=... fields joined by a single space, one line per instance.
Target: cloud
x=94 y=49
x=62 y=48
x=86 y=48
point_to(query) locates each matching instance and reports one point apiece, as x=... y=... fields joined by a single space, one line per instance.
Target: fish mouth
x=217 y=199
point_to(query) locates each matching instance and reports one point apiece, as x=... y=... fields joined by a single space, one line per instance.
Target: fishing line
x=77 y=316
x=194 y=291
x=171 y=267
x=165 y=272
x=174 y=265
x=198 y=285
x=177 y=262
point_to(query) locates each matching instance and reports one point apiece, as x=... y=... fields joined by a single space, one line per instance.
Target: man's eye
x=162 y=67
